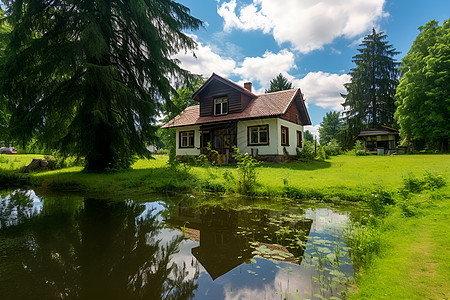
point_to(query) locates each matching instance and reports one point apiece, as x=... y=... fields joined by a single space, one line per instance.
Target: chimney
x=248 y=86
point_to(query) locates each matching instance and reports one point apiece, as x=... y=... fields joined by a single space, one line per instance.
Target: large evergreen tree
x=279 y=83
x=5 y=28
x=423 y=95
x=329 y=127
x=88 y=77
x=369 y=101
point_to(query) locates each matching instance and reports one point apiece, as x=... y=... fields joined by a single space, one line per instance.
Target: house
x=382 y=141
x=268 y=126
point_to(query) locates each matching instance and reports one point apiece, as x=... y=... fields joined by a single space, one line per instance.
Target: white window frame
x=258 y=129
x=187 y=136
x=223 y=102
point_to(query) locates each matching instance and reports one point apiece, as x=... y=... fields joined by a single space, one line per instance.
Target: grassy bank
x=346 y=177
x=414 y=259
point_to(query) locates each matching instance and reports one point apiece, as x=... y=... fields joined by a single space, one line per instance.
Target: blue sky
x=309 y=41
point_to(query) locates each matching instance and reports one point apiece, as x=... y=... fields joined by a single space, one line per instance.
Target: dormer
x=219 y=96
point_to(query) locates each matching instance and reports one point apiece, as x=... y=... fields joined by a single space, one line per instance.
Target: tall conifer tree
x=369 y=101
x=88 y=77
x=279 y=83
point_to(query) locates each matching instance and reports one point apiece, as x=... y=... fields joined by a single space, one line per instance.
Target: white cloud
x=313 y=129
x=266 y=67
x=259 y=70
x=207 y=61
x=306 y=24
x=320 y=88
x=323 y=89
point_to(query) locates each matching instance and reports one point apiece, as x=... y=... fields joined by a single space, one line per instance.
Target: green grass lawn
x=414 y=263
x=353 y=171
x=16 y=161
x=344 y=175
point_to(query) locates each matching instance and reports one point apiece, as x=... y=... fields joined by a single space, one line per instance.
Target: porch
x=217 y=141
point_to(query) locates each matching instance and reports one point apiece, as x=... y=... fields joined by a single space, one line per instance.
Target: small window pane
x=218 y=109
x=263 y=137
x=218 y=142
x=224 y=107
x=254 y=137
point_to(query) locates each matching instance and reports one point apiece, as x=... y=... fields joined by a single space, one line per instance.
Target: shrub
x=359 y=146
x=246 y=171
x=415 y=184
x=322 y=153
x=378 y=199
x=360 y=153
x=306 y=153
x=332 y=148
x=408 y=206
x=163 y=151
x=433 y=181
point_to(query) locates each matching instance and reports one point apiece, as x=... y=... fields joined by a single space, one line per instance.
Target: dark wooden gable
x=218 y=87
x=296 y=112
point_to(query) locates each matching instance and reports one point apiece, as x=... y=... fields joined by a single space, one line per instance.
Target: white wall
x=189 y=151
x=274 y=147
x=242 y=142
x=292 y=148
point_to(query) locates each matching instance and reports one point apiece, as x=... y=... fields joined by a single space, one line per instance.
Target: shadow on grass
x=298 y=165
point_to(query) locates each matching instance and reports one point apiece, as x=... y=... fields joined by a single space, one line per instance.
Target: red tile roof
x=263 y=106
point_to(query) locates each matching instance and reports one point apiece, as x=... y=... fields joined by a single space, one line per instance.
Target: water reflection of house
x=229 y=238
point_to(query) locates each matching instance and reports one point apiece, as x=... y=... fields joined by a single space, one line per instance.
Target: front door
x=222 y=140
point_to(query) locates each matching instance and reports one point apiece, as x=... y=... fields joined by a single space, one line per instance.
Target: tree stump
x=36 y=164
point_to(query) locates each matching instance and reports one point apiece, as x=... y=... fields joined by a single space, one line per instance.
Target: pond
x=171 y=247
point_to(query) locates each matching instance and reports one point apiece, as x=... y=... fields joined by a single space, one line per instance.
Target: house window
x=299 y=139
x=284 y=136
x=187 y=139
x=258 y=135
x=220 y=106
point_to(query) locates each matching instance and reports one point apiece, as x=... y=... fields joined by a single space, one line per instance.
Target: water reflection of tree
x=107 y=250
x=15 y=208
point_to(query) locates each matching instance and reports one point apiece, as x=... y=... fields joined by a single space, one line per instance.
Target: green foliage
x=322 y=154
x=307 y=152
x=370 y=94
x=246 y=165
x=360 y=153
x=5 y=28
x=163 y=152
x=423 y=95
x=378 y=199
x=415 y=184
x=308 y=136
x=59 y=161
x=359 y=148
x=329 y=127
x=364 y=242
x=279 y=83
x=95 y=73
x=332 y=148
